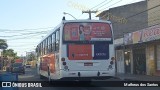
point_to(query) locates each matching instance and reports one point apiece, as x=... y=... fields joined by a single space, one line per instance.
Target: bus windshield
x=90 y=31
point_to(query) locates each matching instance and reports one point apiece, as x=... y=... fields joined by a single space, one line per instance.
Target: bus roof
x=86 y=20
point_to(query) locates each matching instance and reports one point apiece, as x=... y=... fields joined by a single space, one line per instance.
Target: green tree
x=10 y=53
x=31 y=57
x=3 y=44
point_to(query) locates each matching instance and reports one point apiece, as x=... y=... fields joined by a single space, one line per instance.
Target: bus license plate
x=88 y=64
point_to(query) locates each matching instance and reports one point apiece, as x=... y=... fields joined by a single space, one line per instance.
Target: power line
x=141 y=25
x=150 y=21
x=24 y=34
x=139 y=12
x=8 y=30
x=104 y=4
x=21 y=45
x=99 y=4
x=27 y=37
x=110 y=5
x=142 y=11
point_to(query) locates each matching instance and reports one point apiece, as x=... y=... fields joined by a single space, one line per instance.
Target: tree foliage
x=10 y=53
x=3 y=44
x=31 y=57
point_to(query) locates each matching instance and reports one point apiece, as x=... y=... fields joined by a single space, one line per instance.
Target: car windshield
x=17 y=64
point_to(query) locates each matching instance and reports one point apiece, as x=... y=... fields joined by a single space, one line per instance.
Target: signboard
x=87 y=32
x=128 y=39
x=136 y=37
x=151 y=33
x=144 y=35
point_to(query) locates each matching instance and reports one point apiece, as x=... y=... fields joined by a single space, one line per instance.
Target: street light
x=69 y=14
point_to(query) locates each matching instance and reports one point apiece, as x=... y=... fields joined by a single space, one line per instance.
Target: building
x=153 y=40
x=144 y=44
x=126 y=19
x=154 y=13
x=148 y=54
x=138 y=48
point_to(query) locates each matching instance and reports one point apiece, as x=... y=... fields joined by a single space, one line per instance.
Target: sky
x=23 y=23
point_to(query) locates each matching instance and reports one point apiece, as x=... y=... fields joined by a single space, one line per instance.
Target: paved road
x=31 y=75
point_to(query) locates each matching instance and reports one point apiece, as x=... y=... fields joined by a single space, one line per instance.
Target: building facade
x=145 y=47
x=127 y=19
x=153 y=46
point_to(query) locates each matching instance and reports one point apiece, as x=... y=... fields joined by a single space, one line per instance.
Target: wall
x=153 y=14
x=153 y=19
x=125 y=18
x=150 y=56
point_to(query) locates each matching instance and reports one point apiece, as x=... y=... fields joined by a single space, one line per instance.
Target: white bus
x=77 y=50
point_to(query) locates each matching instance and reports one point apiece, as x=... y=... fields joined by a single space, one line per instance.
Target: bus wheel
x=41 y=77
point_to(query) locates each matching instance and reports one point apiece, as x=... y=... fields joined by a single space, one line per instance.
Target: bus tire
x=41 y=77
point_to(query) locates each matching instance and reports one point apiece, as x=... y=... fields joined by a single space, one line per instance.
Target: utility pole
x=89 y=12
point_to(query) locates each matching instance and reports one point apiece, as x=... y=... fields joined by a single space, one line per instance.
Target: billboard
x=87 y=52
x=87 y=32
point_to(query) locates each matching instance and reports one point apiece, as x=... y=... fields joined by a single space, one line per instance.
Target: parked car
x=28 y=65
x=18 y=68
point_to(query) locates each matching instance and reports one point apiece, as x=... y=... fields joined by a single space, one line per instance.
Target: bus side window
x=46 y=46
x=43 y=47
x=50 y=44
x=53 y=42
x=57 y=40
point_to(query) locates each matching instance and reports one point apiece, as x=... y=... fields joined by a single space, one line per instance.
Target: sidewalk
x=130 y=77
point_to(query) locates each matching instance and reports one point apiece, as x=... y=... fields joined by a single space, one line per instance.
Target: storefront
x=145 y=47
x=127 y=61
x=120 y=61
x=124 y=59
x=139 y=59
